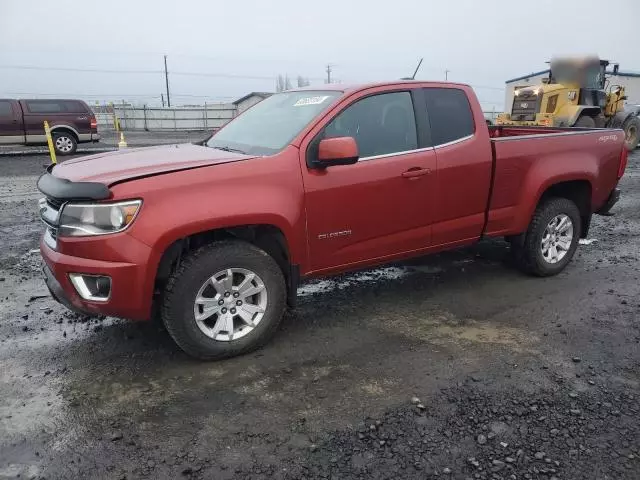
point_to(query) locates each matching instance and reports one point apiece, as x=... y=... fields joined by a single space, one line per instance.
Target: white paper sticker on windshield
x=310 y=101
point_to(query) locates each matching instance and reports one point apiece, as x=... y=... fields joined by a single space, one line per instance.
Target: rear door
x=11 y=131
x=382 y=205
x=465 y=161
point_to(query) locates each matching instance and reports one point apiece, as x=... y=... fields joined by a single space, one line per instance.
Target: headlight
x=86 y=219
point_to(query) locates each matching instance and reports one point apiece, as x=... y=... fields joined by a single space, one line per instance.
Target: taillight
x=623 y=162
x=94 y=122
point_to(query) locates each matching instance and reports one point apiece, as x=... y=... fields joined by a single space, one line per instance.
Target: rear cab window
x=450 y=115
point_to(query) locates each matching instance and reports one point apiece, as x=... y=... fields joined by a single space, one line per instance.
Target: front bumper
x=131 y=292
x=611 y=201
x=540 y=120
x=58 y=293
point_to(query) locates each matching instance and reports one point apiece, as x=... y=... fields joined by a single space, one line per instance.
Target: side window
x=74 y=106
x=45 y=106
x=449 y=114
x=381 y=124
x=5 y=109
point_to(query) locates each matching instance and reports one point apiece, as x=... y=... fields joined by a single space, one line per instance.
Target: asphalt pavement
x=110 y=140
x=453 y=366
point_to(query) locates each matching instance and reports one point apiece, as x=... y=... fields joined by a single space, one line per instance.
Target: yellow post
x=116 y=127
x=52 y=151
x=122 y=143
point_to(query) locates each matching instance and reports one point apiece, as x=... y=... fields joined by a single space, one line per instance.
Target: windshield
x=270 y=125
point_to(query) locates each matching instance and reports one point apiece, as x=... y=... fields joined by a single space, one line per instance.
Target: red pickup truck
x=216 y=237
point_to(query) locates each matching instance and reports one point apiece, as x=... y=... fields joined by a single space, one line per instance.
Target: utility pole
x=162 y=99
x=446 y=75
x=328 y=73
x=166 y=80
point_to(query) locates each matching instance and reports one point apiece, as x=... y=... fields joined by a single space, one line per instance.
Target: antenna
x=413 y=77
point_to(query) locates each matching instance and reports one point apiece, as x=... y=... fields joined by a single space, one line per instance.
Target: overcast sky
x=241 y=45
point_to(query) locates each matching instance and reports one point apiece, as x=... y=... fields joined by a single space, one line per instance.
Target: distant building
x=629 y=80
x=249 y=100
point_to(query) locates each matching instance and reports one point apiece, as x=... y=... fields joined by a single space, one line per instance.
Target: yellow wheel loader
x=577 y=93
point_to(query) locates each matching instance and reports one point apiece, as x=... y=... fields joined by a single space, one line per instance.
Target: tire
x=64 y=143
x=529 y=254
x=601 y=121
x=208 y=339
x=585 y=122
x=631 y=127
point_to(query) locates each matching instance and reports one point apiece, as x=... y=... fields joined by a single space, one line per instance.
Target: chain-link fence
x=152 y=119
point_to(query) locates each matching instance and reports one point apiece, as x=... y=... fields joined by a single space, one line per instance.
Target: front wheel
x=225 y=299
x=551 y=239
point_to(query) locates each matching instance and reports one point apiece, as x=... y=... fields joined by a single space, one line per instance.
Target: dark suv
x=71 y=122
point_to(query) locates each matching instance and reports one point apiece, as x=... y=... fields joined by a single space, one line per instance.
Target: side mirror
x=337 y=151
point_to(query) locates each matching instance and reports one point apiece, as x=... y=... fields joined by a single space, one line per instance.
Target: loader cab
x=588 y=75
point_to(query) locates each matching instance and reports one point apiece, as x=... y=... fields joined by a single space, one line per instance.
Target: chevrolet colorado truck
x=215 y=237
x=71 y=122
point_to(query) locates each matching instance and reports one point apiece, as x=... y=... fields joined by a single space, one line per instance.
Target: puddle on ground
x=370 y=276
x=444 y=328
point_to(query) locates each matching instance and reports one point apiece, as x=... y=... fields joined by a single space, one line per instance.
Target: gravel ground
x=454 y=366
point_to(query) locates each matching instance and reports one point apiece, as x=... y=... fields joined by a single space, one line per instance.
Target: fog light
x=96 y=288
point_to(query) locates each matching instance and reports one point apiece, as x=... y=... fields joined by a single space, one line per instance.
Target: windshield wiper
x=229 y=149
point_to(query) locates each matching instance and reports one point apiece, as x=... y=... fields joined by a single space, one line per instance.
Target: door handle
x=416 y=172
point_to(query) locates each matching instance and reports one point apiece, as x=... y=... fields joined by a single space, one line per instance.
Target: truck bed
x=528 y=160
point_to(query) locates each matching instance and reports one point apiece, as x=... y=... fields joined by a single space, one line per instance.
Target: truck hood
x=114 y=167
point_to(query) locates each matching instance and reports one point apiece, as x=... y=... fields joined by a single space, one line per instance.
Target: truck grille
x=525 y=106
x=54 y=203
x=50 y=213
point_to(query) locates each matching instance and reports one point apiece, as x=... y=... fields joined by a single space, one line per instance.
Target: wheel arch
x=579 y=192
x=269 y=238
x=67 y=129
x=584 y=111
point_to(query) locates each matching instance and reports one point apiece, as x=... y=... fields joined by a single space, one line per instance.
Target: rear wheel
x=631 y=128
x=225 y=299
x=551 y=239
x=64 y=143
x=585 y=122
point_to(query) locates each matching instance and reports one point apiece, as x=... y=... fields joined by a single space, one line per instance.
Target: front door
x=380 y=206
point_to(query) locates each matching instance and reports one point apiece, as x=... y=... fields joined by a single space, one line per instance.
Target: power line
x=103 y=70
x=69 y=69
